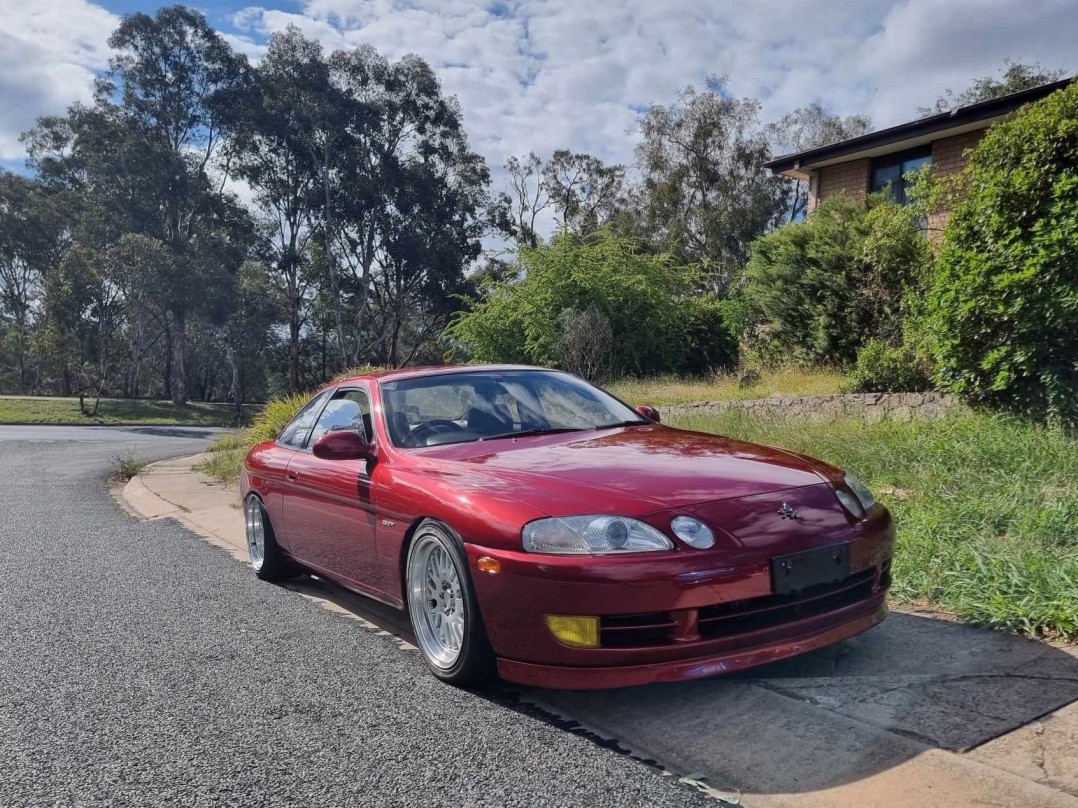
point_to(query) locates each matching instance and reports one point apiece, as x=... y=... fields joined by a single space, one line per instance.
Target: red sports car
x=536 y=527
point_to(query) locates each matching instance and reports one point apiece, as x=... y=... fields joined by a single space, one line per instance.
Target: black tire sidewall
x=274 y=565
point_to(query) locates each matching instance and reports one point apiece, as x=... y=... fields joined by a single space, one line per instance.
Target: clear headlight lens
x=860 y=490
x=692 y=531
x=587 y=535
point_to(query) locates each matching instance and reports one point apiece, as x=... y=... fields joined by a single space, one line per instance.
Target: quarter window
x=889 y=173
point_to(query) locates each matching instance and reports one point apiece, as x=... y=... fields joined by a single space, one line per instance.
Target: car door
x=292 y=440
x=329 y=509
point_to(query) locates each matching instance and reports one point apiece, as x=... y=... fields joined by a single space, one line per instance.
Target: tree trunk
x=293 y=350
x=167 y=375
x=179 y=368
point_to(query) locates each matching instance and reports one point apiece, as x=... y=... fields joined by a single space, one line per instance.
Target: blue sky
x=543 y=74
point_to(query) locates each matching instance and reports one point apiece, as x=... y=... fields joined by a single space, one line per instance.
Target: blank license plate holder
x=820 y=565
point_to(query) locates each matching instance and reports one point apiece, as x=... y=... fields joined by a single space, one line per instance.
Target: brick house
x=880 y=160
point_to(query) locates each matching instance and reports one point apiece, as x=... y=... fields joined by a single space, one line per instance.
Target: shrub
x=824 y=286
x=275 y=416
x=586 y=340
x=704 y=342
x=1003 y=302
x=646 y=298
x=885 y=368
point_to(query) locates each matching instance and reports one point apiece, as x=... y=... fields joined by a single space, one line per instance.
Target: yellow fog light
x=574 y=630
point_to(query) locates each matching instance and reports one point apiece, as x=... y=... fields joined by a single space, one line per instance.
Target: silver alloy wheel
x=256 y=533
x=436 y=601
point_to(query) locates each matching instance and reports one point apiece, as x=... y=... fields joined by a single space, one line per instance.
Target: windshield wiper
x=525 y=433
x=622 y=423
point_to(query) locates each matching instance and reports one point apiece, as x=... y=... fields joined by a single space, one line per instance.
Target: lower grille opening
x=738 y=617
x=769 y=611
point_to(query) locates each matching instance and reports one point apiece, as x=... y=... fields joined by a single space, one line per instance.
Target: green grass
x=226 y=454
x=666 y=390
x=126 y=465
x=56 y=410
x=986 y=508
x=225 y=460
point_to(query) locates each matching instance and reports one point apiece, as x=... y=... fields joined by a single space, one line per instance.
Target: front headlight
x=865 y=499
x=692 y=531
x=586 y=535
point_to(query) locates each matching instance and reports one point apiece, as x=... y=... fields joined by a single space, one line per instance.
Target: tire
x=444 y=610
x=266 y=557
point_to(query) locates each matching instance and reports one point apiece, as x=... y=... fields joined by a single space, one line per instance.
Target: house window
x=889 y=172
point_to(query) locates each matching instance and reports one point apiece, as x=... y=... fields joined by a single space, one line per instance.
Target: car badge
x=786 y=512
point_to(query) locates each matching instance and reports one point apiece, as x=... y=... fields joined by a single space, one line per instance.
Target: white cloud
x=543 y=74
x=49 y=52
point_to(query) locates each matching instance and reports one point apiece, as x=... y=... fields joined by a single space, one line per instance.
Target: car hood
x=628 y=470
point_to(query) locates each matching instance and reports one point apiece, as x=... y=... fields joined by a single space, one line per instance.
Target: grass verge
x=226 y=455
x=666 y=390
x=65 y=411
x=986 y=508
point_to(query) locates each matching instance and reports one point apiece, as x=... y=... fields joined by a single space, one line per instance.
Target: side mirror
x=344 y=444
x=650 y=413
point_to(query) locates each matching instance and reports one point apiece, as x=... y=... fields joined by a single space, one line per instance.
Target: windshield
x=487 y=405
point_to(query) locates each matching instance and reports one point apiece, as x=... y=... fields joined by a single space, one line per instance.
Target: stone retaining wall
x=872 y=407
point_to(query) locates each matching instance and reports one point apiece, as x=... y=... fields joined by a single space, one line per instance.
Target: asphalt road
x=138 y=669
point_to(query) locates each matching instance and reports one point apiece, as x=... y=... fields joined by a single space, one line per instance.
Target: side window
x=348 y=409
x=295 y=434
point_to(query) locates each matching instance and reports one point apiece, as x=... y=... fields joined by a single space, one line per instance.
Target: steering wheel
x=424 y=431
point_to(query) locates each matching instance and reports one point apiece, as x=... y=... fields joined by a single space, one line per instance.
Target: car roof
x=434 y=370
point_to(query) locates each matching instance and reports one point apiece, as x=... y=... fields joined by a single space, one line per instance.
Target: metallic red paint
x=350 y=520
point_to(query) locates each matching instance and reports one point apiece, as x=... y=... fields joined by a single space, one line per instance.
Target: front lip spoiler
x=597 y=678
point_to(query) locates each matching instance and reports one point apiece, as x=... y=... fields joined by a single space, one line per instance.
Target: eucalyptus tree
x=1013 y=77
x=705 y=193
x=514 y=212
x=407 y=214
x=282 y=128
x=31 y=238
x=585 y=192
x=174 y=78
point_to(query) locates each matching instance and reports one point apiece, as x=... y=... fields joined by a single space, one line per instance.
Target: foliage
x=126 y=465
x=995 y=548
x=586 y=340
x=583 y=193
x=1003 y=300
x=1014 y=77
x=826 y=285
x=672 y=389
x=645 y=297
x=705 y=341
x=274 y=417
x=887 y=368
x=705 y=193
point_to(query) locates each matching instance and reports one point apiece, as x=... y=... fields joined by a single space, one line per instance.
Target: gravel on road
x=140 y=666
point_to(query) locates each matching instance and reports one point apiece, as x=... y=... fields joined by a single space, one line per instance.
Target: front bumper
x=851 y=622
x=689 y=614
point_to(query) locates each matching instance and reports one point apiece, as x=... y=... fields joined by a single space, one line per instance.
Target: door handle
x=291 y=476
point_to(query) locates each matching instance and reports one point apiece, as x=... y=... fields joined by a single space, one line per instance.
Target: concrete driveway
x=917 y=711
